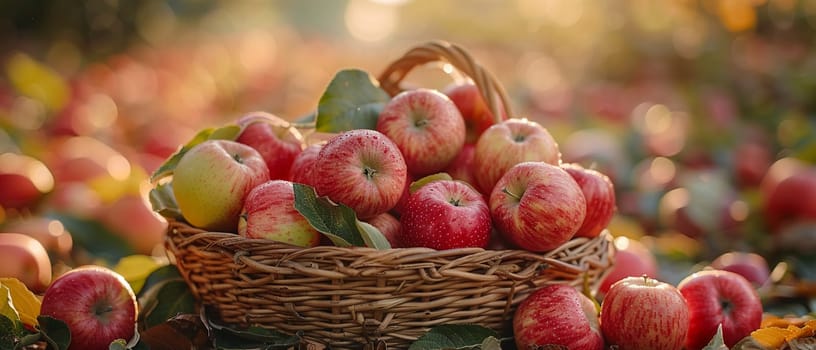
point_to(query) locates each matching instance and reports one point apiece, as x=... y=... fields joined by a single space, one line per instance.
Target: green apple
x=211 y=181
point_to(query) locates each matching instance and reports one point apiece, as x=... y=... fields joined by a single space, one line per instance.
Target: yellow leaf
x=771 y=337
x=36 y=80
x=6 y=305
x=25 y=302
x=136 y=268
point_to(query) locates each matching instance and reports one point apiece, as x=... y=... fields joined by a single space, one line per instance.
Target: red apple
x=25 y=258
x=751 y=162
x=362 y=169
x=406 y=192
x=461 y=168
x=508 y=143
x=557 y=314
x=269 y=212
x=274 y=138
x=49 y=232
x=96 y=303
x=752 y=266
x=717 y=297
x=473 y=108
x=632 y=259
x=120 y=216
x=445 y=214
x=212 y=179
x=643 y=313
x=537 y=206
x=23 y=180
x=390 y=227
x=426 y=127
x=600 y=199
x=792 y=200
x=303 y=167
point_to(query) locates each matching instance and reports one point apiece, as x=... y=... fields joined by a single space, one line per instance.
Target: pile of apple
x=437 y=171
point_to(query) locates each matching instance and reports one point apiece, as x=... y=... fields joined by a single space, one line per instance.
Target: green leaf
x=229 y=132
x=118 y=344
x=228 y=338
x=353 y=100
x=162 y=274
x=55 y=332
x=416 y=185
x=453 y=337
x=164 y=202
x=336 y=221
x=94 y=237
x=717 y=342
x=8 y=332
x=166 y=300
x=372 y=236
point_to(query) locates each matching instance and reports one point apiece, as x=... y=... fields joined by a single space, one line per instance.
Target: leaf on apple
x=253 y=337
x=416 y=185
x=353 y=100
x=456 y=337
x=163 y=296
x=163 y=201
x=717 y=342
x=228 y=132
x=337 y=221
x=54 y=332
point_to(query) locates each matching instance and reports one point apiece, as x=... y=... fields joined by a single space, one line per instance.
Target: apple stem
x=511 y=194
x=238 y=158
x=369 y=172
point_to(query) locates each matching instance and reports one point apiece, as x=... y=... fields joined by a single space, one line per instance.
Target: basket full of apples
x=413 y=208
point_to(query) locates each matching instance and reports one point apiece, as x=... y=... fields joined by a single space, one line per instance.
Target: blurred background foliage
x=685 y=104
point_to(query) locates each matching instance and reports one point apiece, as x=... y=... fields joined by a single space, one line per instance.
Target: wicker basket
x=350 y=297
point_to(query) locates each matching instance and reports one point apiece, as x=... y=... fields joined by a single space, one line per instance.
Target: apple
x=23 y=180
x=508 y=143
x=644 y=313
x=274 y=138
x=26 y=259
x=600 y=199
x=537 y=206
x=269 y=212
x=303 y=167
x=362 y=169
x=389 y=226
x=751 y=162
x=473 y=108
x=120 y=216
x=792 y=200
x=557 y=314
x=398 y=209
x=426 y=127
x=445 y=214
x=51 y=233
x=632 y=259
x=461 y=168
x=717 y=297
x=96 y=303
x=212 y=179
x=752 y=266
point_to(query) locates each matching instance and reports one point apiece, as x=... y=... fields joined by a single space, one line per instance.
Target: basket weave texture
x=347 y=297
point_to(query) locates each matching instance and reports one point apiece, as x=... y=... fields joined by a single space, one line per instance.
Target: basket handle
x=492 y=92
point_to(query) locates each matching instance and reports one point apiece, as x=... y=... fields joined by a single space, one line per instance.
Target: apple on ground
x=643 y=313
x=362 y=169
x=389 y=226
x=212 y=179
x=120 y=215
x=96 y=303
x=632 y=259
x=508 y=143
x=752 y=266
x=426 y=127
x=717 y=297
x=473 y=108
x=792 y=200
x=303 y=167
x=557 y=314
x=445 y=214
x=26 y=259
x=51 y=233
x=537 y=206
x=269 y=212
x=274 y=138
x=23 y=180
x=599 y=194
x=461 y=168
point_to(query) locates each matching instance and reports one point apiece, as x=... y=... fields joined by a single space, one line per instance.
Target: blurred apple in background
x=506 y=144
x=752 y=266
x=792 y=200
x=23 y=180
x=274 y=138
x=426 y=127
x=632 y=259
x=212 y=179
x=269 y=212
x=132 y=218
x=26 y=259
x=557 y=315
x=473 y=108
x=49 y=232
